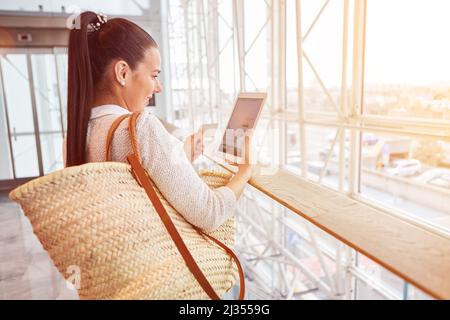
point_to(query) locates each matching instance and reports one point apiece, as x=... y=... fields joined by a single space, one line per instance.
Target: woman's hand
x=193 y=146
x=247 y=155
x=245 y=170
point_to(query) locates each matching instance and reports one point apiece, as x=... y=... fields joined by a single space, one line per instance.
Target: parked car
x=404 y=167
x=334 y=154
x=316 y=167
x=437 y=176
x=442 y=181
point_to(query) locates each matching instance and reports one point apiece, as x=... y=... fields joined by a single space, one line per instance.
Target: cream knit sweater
x=165 y=160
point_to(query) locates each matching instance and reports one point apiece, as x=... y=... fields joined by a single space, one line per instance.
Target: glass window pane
x=372 y=271
x=293 y=157
x=257 y=46
x=6 y=171
x=46 y=92
x=17 y=90
x=291 y=56
x=319 y=148
x=228 y=66
x=25 y=156
x=264 y=141
x=51 y=145
x=402 y=78
x=416 y=294
x=18 y=99
x=410 y=174
x=366 y=292
x=322 y=70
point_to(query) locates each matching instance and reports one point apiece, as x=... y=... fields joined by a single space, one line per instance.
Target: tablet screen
x=243 y=118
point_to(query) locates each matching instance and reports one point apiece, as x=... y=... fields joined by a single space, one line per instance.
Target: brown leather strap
x=110 y=135
x=235 y=258
x=133 y=135
x=144 y=181
x=190 y=262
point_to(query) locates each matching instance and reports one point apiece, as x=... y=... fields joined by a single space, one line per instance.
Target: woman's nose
x=158 y=88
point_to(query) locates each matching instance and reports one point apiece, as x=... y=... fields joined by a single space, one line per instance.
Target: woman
x=113 y=70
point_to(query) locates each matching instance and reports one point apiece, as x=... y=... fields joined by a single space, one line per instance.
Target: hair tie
x=101 y=20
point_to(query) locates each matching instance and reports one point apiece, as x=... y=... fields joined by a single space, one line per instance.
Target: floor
x=26 y=270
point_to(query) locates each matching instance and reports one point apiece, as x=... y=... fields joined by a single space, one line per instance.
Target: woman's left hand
x=193 y=146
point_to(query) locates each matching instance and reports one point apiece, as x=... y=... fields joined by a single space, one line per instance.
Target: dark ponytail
x=90 y=52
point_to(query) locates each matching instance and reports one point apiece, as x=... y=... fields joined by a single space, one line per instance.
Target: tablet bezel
x=243 y=95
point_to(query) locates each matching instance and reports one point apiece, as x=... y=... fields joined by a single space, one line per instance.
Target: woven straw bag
x=97 y=217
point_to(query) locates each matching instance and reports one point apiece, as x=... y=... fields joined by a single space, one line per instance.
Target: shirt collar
x=106 y=109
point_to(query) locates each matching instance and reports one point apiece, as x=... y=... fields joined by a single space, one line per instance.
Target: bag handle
x=143 y=179
x=110 y=135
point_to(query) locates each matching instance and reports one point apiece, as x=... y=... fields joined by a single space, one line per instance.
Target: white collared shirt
x=107 y=109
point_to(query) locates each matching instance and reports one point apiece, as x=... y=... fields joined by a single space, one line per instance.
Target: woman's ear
x=121 y=72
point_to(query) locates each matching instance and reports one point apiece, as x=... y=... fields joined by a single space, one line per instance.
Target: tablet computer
x=242 y=123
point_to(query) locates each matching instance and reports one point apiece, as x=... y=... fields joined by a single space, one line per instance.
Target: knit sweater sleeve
x=167 y=164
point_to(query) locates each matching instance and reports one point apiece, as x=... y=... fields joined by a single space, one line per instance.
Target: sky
x=408 y=41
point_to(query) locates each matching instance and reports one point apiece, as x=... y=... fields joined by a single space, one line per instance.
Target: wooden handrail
x=415 y=254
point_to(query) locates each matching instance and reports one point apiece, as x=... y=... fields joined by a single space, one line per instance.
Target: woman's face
x=142 y=82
